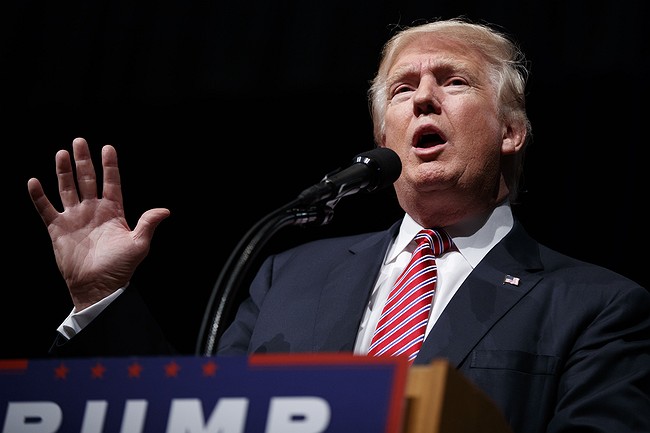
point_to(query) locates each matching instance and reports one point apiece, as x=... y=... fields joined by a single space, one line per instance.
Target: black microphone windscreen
x=385 y=163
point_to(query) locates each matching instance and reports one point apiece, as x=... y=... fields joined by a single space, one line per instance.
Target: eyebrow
x=445 y=64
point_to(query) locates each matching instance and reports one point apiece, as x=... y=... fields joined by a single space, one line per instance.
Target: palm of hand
x=95 y=249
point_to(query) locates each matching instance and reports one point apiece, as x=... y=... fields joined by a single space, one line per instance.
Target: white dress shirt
x=77 y=320
x=453 y=266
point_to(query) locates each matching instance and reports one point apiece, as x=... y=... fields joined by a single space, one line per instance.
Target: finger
x=65 y=176
x=86 y=177
x=43 y=205
x=112 y=183
x=148 y=222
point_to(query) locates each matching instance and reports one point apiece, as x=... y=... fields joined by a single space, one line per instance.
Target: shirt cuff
x=76 y=321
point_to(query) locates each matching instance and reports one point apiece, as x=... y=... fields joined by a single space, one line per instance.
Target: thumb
x=148 y=222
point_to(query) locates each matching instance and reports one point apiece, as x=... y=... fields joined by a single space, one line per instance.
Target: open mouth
x=429 y=140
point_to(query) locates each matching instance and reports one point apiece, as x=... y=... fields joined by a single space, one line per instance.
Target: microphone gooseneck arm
x=370 y=171
x=241 y=259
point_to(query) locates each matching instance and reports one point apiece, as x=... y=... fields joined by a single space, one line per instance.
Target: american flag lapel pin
x=509 y=279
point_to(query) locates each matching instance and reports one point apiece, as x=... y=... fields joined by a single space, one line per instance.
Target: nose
x=425 y=100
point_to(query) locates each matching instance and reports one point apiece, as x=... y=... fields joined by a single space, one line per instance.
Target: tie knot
x=438 y=240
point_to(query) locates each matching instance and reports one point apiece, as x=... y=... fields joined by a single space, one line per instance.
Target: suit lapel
x=485 y=296
x=346 y=293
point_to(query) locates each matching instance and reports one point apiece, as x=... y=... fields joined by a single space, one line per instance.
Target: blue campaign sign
x=283 y=393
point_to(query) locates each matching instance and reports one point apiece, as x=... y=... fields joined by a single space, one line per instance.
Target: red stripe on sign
x=13 y=365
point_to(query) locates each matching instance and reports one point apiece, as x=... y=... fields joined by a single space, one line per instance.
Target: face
x=442 y=119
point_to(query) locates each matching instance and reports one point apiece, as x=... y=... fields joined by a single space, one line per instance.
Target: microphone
x=370 y=171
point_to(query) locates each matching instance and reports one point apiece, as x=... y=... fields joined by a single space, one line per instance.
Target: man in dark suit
x=559 y=345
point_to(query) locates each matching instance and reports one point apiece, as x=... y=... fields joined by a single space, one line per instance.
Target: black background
x=224 y=111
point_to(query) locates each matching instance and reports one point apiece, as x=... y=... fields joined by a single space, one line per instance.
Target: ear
x=514 y=137
x=383 y=140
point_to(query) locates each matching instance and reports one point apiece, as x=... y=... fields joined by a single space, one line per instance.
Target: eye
x=401 y=89
x=401 y=93
x=456 y=81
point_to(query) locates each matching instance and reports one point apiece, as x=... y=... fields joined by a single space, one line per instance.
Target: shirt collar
x=473 y=238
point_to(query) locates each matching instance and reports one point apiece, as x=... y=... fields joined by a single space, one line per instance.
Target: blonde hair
x=508 y=71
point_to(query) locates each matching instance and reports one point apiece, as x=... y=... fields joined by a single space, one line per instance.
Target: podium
x=439 y=399
x=271 y=393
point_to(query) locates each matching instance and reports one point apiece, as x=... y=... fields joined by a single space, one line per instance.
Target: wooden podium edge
x=439 y=399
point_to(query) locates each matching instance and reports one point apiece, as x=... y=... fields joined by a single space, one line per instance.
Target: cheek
x=480 y=116
x=480 y=129
x=481 y=157
x=395 y=122
x=472 y=113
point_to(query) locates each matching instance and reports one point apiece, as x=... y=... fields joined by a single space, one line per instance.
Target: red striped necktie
x=403 y=321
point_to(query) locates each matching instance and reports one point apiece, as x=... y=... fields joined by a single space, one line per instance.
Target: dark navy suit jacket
x=566 y=348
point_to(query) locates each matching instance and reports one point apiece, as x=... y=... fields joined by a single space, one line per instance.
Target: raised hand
x=95 y=249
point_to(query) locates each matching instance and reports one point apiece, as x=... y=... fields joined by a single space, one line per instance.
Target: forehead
x=427 y=50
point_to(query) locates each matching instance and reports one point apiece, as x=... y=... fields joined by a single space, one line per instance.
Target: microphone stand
x=240 y=260
x=370 y=170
